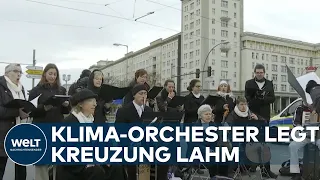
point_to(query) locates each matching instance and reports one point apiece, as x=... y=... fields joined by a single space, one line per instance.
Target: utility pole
x=34 y=64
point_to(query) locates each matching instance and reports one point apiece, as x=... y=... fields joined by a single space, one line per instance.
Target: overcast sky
x=74 y=40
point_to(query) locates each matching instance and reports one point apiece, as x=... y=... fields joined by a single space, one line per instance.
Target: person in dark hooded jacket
x=81 y=82
x=103 y=108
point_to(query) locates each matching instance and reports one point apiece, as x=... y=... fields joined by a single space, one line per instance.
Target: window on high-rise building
x=192 y=25
x=224 y=74
x=198 y=22
x=283 y=78
x=235 y=15
x=198 y=42
x=198 y=12
x=191 y=6
x=213 y=21
x=224 y=33
x=224 y=54
x=191 y=35
x=224 y=24
x=275 y=77
x=274 y=67
x=235 y=64
x=224 y=3
x=213 y=1
x=235 y=54
x=191 y=16
x=213 y=11
x=235 y=24
x=274 y=58
x=275 y=87
x=191 y=44
x=198 y=32
x=213 y=62
x=198 y=2
x=291 y=60
x=235 y=74
x=213 y=41
x=224 y=64
x=253 y=55
x=186 y=18
x=234 y=84
x=235 y=5
x=283 y=87
x=224 y=13
x=213 y=31
x=235 y=34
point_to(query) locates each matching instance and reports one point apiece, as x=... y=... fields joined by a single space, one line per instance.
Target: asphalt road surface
x=279 y=153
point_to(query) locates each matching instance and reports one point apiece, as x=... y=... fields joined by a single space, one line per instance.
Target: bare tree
x=111 y=80
x=154 y=78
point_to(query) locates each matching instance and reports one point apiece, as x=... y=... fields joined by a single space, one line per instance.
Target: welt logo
x=25 y=143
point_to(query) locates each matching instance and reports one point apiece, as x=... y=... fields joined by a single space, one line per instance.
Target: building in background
x=160 y=59
x=100 y=64
x=204 y=25
x=275 y=53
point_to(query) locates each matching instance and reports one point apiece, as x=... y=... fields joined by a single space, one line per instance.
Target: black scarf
x=261 y=80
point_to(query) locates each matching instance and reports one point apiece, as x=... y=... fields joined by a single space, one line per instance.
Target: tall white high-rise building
x=205 y=24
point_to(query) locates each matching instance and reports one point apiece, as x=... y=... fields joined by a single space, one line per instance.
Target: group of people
x=84 y=106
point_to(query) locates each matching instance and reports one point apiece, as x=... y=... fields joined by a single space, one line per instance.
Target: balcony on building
x=225 y=47
x=225 y=17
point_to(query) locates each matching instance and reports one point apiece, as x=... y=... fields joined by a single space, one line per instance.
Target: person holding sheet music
x=94 y=84
x=140 y=77
x=48 y=87
x=259 y=93
x=193 y=101
x=10 y=89
x=166 y=96
x=81 y=83
x=226 y=104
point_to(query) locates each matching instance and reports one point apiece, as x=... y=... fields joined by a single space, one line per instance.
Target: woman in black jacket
x=48 y=86
x=103 y=108
x=226 y=103
x=193 y=101
x=140 y=77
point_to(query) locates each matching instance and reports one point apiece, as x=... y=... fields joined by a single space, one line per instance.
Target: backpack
x=285 y=168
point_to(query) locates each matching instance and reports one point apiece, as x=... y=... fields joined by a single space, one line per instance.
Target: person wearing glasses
x=10 y=89
x=259 y=93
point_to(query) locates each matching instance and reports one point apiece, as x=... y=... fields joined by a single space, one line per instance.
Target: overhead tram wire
x=90 y=3
x=191 y=13
x=117 y=17
x=51 y=24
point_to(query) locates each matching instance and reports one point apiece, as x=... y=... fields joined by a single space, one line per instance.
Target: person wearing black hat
x=83 y=106
x=313 y=88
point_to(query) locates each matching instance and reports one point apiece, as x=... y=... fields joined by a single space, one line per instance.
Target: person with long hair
x=140 y=77
x=226 y=104
x=193 y=101
x=10 y=89
x=95 y=82
x=48 y=86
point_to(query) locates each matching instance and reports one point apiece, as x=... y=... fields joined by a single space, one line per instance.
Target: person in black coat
x=83 y=108
x=140 y=77
x=81 y=82
x=166 y=95
x=132 y=113
x=259 y=93
x=193 y=101
x=103 y=108
x=227 y=103
x=48 y=86
x=10 y=89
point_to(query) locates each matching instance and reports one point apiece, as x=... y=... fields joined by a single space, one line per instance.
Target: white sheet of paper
x=35 y=101
x=303 y=81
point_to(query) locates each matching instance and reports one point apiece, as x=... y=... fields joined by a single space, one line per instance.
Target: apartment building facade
x=205 y=24
x=275 y=53
x=160 y=59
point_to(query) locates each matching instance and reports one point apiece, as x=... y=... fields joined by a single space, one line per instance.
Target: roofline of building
x=279 y=39
x=132 y=54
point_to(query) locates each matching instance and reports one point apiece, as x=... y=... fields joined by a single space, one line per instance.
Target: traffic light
x=209 y=71
x=197 y=73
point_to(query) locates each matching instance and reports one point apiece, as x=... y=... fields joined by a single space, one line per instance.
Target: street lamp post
x=205 y=61
x=118 y=44
x=149 y=13
x=66 y=78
